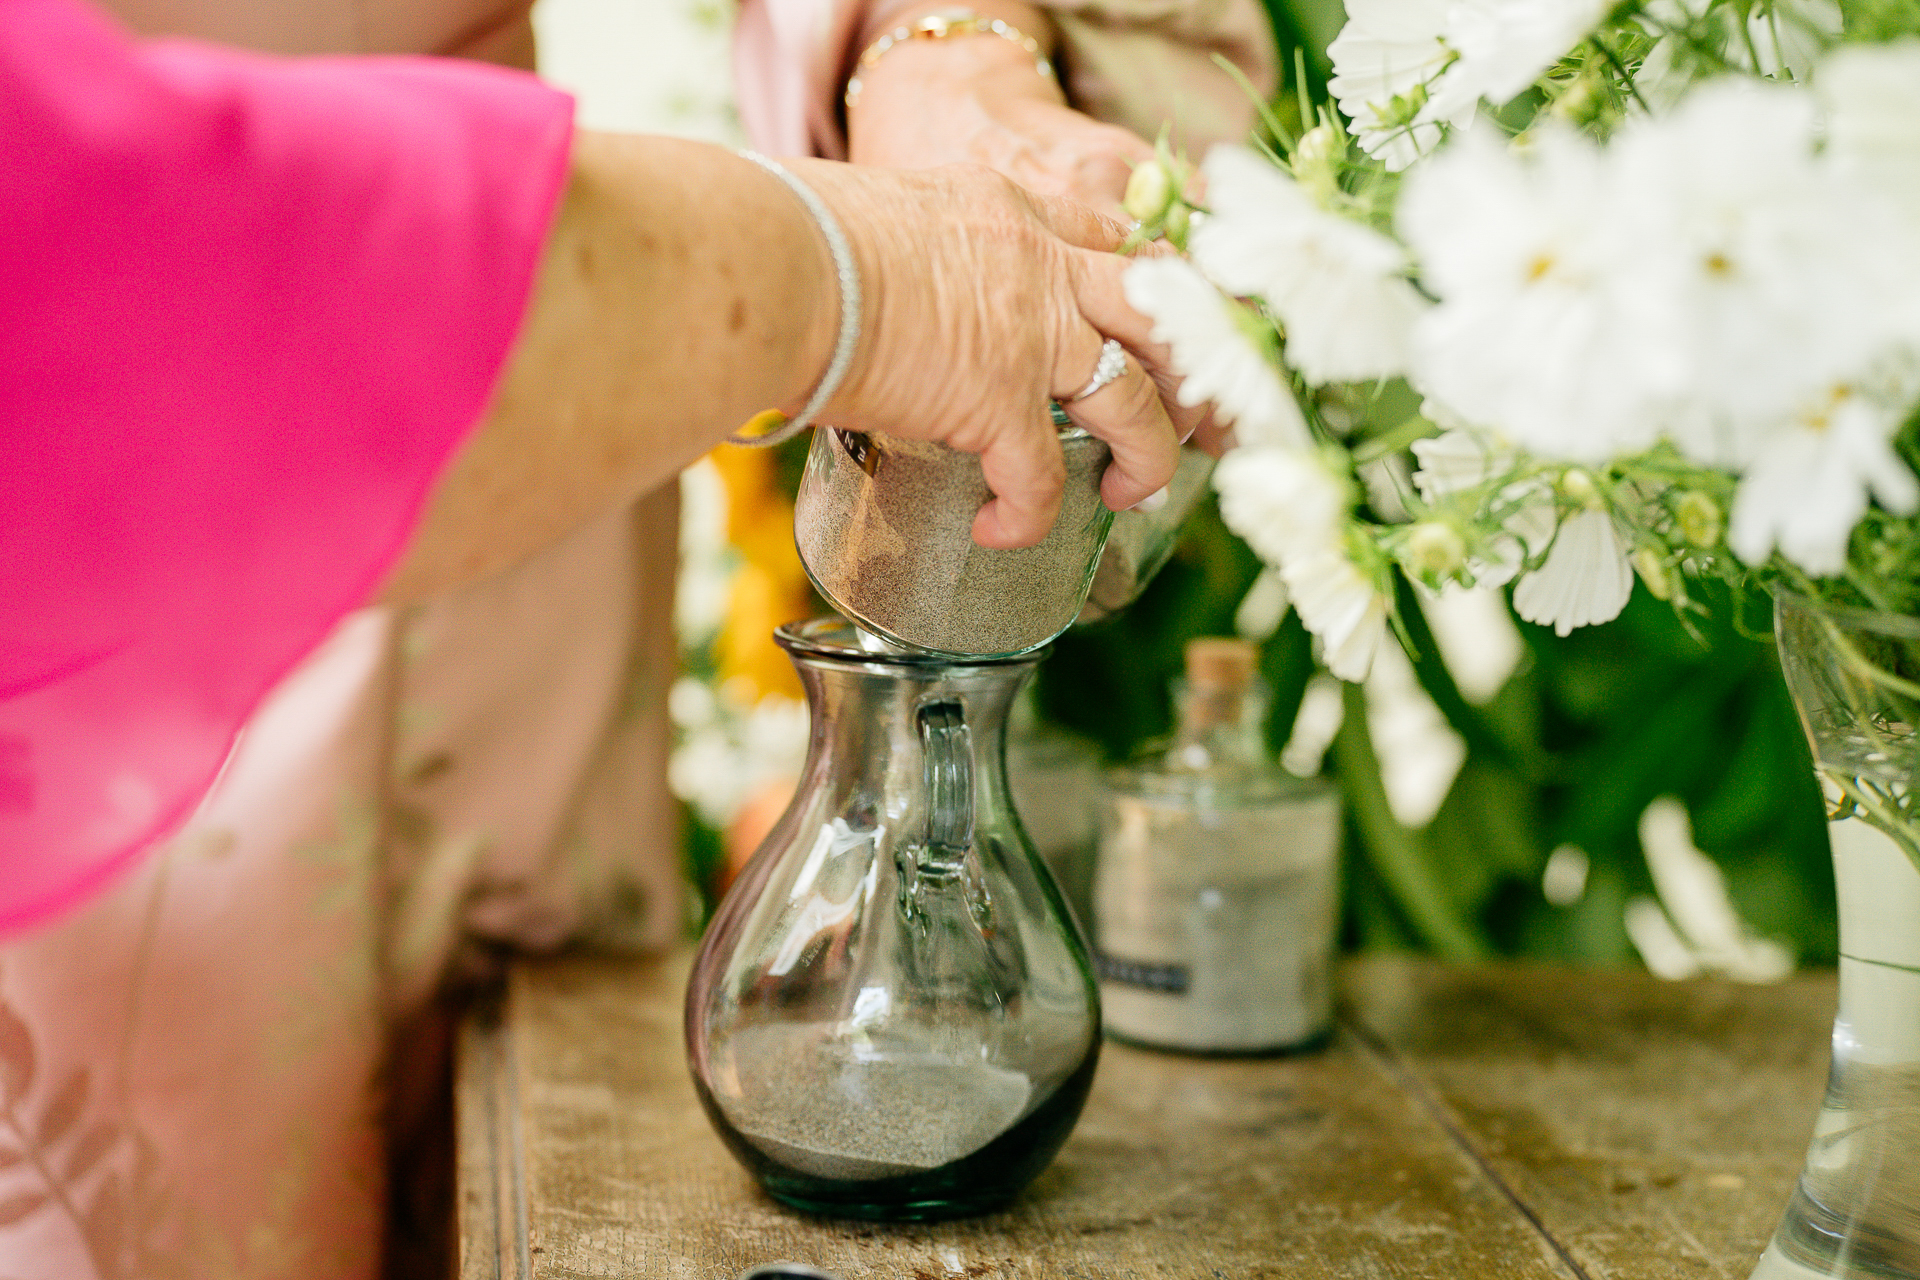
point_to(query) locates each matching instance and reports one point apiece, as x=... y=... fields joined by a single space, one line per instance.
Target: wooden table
x=1498 y=1122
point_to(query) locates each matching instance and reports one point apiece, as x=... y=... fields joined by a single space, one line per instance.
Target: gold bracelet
x=939 y=26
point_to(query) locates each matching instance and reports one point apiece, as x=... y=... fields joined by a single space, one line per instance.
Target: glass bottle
x=1215 y=892
x=1055 y=778
x=1141 y=542
x=891 y=1015
x=885 y=529
x=1855 y=1212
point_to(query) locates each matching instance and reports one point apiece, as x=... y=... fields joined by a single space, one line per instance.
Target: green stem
x=1394 y=439
x=1397 y=854
x=1620 y=69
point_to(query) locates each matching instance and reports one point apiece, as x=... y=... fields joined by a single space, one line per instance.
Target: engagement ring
x=1113 y=363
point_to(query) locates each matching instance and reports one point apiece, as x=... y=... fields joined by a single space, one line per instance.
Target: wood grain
x=1502 y=1123
x=1653 y=1129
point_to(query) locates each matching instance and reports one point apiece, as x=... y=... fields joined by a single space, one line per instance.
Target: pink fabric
x=252 y=306
x=1137 y=63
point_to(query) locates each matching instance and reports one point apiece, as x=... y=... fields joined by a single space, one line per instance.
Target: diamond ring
x=1113 y=363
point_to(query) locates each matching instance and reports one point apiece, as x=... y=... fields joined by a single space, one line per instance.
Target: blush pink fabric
x=1137 y=63
x=226 y=283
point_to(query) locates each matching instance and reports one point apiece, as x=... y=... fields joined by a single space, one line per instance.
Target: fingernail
x=1152 y=502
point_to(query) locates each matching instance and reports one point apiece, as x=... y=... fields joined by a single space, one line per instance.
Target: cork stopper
x=1220 y=665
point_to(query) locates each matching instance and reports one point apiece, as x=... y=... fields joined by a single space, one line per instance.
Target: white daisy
x=1340 y=605
x=1420 y=754
x=1386 y=51
x=1504 y=46
x=1283 y=501
x=1214 y=353
x=1538 y=335
x=1872 y=99
x=1339 y=287
x=1768 y=276
x=1585 y=580
x=1810 y=483
x=1293 y=510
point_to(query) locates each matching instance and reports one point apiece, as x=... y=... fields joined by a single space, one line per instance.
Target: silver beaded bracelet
x=848 y=274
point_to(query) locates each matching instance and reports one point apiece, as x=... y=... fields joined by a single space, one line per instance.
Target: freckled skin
x=685 y=290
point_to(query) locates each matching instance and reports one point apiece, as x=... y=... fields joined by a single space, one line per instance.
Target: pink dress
x=226 y=283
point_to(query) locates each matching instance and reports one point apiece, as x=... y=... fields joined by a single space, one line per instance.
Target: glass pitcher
x=892 y=1015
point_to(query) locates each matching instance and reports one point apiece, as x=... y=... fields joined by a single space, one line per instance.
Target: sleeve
x=252 y=307
x=1137 y=63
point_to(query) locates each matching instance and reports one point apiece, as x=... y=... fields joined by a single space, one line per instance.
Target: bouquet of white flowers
x=1651 y=269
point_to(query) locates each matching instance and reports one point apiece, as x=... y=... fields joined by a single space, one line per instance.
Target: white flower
x=1284 y=502
x=1213 y=352
x=1263 y=608
x=1292 y=509
x=1538 y=336
x=728 y=752
x=1458 y=460
x=707 y=562
x=1336 y=285
x=1872 y=98
x=1386 y=51
x=1809 y=485
x=1771 y=278
x=1504 y=46
x=1341 y=605
x=1475 y=635
x=1693 y=890
x=1585 y=580
x=1419 y=752
x=1790 y=34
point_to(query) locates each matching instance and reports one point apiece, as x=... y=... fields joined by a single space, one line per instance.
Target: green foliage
x=1593 y=728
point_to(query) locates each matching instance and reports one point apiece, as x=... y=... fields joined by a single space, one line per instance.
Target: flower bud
x=1316 y=161
x=1577 y=486
x=1149 y=191
x=1434 y=547
x=1581 y=102
x=1653 y=572
x=1179 y=217
x=1699 y=518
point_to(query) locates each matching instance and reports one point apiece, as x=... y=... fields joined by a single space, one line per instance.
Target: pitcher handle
x=946 y=744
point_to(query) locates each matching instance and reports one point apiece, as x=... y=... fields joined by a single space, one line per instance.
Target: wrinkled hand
x=978 y=100
x=983 y=301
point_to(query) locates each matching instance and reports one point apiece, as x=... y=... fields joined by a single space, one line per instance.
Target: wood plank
x=1319 y=1167
x=490 y=1202
x=1654 y=1129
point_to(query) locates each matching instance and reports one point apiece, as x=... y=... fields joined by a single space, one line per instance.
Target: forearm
x=682 y=290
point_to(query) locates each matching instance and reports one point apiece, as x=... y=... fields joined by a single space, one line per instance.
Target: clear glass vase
x=891 y=1015
x=1855 y=679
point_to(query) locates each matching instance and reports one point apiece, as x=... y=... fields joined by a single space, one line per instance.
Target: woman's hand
x=985 y=301
x=978 y=99
x=685 y=289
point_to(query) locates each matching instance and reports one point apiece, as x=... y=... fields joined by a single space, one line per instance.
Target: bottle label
x=1174 y=979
